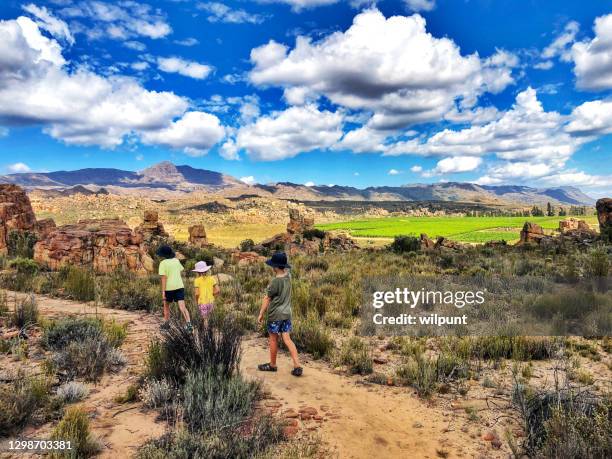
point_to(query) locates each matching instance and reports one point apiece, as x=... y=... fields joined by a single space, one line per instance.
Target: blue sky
x=313 y=91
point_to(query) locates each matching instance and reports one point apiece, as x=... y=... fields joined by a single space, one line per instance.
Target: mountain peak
x=164 y=171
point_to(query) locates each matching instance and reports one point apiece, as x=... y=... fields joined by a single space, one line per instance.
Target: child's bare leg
x=292 y=349
x=166 y=311
x=184 y=310
x=273 y=343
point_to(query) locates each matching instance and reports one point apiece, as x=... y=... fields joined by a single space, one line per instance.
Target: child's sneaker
x=165 y=326
x=189 y=327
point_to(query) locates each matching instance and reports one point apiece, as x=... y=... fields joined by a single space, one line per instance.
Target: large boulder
x=604 y=215
x=16 y=213
x=151 y=228
x=102 y=245
x=197 y=236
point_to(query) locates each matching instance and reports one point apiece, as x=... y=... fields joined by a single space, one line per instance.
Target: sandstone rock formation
x=16 y=213
x=604 y=215
x=103 y=245
x=572 y=224
x=197 y=236
x=298 y=223
x=426 y=243
x=151 y=228
x=247 y=258
x=532 y=233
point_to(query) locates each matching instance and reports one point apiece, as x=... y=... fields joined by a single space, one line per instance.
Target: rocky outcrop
x=532 y=233
x=604 y=216
x=572 y=224
x=16 y=213
x=197 y=236
x=426 y=243
x=45 y=226
x=151 y=228
x=298 y=223
x=442 y=242
x=103 y=245
x=338 y=241
x=247 y=258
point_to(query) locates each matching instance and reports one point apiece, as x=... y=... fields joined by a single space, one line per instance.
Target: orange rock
x=290 y=431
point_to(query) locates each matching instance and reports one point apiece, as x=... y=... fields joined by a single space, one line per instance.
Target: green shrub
x=72 y=392
x=74 y=427
x=61 y=333
x=21 y=243
x=88 y=358
x=156 y=393
x=247 y=245
x=25 y=312
x=19 y=400
x=419 y=372
x=402 y=244
x=115 y=333
x=316 y=264
x=25 y=266
x=257 y=437
x=355 y=354
x=212 y=401
x=310 y=335
x=78 y=283
x=211 y=345
x=127 y=291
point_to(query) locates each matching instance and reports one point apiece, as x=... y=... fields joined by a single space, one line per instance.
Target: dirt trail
x=361 y=421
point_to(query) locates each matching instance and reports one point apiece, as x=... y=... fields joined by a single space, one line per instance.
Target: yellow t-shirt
x=205 y=285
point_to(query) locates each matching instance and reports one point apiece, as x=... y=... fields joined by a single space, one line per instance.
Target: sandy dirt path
x=359 y=420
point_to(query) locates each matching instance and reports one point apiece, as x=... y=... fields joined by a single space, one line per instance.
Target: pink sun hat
x=201 y=267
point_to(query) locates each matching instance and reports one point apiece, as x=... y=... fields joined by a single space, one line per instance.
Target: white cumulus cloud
x=249 y=180
x=220 y=12
x=288 y=133
x=593 y=59
x=391 y=66
x=183 y=67
x=420 y=5
x=18 y=168
x=45 y=20
x=393 y=172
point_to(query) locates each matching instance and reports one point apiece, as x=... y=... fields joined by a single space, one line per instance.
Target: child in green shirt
x=173 y=289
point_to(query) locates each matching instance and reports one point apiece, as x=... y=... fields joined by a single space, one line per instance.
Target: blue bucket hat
x=278 y=260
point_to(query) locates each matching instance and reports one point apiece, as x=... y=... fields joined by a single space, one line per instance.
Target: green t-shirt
x=172 y=268
x=279 y=292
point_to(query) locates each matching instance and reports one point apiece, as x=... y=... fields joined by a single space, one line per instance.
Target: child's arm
x=163 y=285
x=197 y=294
x=216 y=290
x=264 y=306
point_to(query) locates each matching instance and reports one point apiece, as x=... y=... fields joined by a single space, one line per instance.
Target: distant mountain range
x=168 y=177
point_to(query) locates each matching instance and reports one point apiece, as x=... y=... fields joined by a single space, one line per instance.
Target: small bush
x=212 y=401
x=115 y=333
x=130 y=395
x=25 y=313
x=420 y=373
x=356 y=356
x=74 y=427
x=19 y=400
x=309 y=335
x=78 y=283
x=25 y=266
x=156 y=393
x=316 y=264
x=72 y=392
x=247 y=245
x=128 y=291
x=63 y=332
x=214 y=344
x=250 y=440
x=402 y=244
x=88 y=358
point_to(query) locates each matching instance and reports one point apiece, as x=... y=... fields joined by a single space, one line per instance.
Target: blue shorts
x=174 y=296
x=279 y=326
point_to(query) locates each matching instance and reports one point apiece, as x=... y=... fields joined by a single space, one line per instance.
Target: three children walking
x=276 y=302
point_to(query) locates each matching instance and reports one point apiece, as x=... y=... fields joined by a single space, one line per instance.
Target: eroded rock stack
x=103 y=245
x=151 y=228
x=532 y=233
x=16 y=213
x=298 y=223
x=197 y=236
x=604 y=215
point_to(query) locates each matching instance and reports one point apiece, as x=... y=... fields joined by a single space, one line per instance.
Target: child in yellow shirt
x=206 y=288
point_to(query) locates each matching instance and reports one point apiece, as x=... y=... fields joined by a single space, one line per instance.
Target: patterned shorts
x=279 y=326
x=205 y=309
